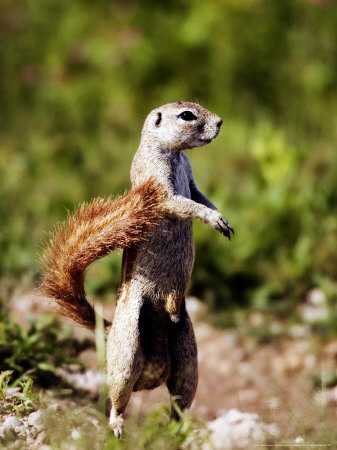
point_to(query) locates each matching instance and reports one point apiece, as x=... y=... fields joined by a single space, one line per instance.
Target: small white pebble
x=75 y=434
x=35 y=420
x=10 y=423
x=239 y=430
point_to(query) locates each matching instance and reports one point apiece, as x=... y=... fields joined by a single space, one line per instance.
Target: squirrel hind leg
x=183 y=379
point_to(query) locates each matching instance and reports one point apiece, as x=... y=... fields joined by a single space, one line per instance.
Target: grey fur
x=151 y=340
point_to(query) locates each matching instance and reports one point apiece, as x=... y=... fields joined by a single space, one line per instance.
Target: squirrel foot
x=116 y=424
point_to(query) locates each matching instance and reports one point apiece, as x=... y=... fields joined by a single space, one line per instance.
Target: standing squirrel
x=151 y=339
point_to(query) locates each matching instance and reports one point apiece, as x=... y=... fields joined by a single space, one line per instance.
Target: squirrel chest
x=163 y=263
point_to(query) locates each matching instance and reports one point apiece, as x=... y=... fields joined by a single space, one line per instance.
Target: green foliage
x=22 y=403
x=77 y=79
x=4 y=380
x=324 y=379
x=285 y=228
x=37 y=350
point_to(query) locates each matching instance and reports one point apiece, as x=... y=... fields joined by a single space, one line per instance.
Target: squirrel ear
x=158 y=120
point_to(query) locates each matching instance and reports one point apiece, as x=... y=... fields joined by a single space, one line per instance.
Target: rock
x=9 y=425
x=316 y=297
x=237 y=430
x=39 y=441
x=21 y=430
x=315 y=309
x=75 y=434
x=35 y=421
x=89 y=381
x=314 y=313
x=30 y=441
x=195 y=307
x=13 y=391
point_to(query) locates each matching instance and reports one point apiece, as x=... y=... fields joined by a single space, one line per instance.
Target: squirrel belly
x=160 y=268
x=94 y=230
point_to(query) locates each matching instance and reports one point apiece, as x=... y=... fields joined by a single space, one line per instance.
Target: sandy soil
x=273 y=380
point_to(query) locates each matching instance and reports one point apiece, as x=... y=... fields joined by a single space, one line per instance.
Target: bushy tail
x=91 y=232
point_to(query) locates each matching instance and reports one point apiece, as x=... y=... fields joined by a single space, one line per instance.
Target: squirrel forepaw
x=221 y=224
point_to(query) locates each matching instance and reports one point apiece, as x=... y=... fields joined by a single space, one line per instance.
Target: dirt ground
x=273 y=380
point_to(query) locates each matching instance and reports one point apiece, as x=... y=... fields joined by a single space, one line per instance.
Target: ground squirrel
x=151 y=340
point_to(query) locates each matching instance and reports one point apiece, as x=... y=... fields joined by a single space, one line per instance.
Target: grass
x=23 y=403
x=38 y=350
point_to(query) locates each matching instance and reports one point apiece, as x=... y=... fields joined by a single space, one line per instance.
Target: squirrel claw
x=224 y=227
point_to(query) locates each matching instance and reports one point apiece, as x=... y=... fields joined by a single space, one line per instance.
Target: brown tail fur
x=91 y=232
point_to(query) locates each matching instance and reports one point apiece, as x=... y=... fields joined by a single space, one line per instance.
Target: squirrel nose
x=219 y=123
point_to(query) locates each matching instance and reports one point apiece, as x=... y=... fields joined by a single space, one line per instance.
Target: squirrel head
x=180 y=126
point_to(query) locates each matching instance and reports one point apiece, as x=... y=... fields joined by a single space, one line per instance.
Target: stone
x=8 y=426
x=237 y=430
x=35 y=420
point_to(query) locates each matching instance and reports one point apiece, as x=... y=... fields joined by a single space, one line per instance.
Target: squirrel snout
x=219 y=123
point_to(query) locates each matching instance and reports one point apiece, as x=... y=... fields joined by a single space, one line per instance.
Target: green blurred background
x=77 y=79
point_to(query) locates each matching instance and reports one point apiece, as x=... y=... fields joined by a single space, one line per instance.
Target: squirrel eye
x=187 y=115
